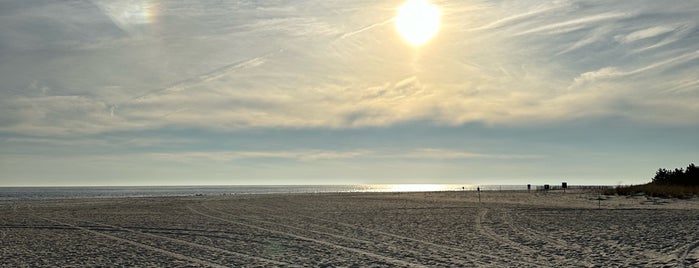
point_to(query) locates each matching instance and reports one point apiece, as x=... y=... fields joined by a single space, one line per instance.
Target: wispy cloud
x=614 y=72
x=199 y=79
x=229 y=156
x=330 y=155
x=366 y=28
x=577 y=23
x=545 y=9
x=232 y=65
x=645 y=33
x=431 y=153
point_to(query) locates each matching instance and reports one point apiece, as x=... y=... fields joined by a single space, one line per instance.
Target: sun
x=417 y=21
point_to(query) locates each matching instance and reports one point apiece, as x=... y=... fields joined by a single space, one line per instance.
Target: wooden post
x=479 y=193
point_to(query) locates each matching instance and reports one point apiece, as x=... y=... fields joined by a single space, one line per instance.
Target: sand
x=442 y=229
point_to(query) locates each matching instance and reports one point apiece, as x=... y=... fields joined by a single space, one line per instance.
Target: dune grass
x=680 y=183
x=656 y=190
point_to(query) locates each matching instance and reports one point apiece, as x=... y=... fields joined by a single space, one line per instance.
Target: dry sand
x=443 y=229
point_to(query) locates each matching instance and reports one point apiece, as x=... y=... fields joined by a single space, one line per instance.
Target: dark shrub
x=680 y=183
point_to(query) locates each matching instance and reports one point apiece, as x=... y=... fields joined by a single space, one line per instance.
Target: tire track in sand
x=683 y=256
x=534 y=235
x=316 y=231
x=333 y=233
x=683 y=260
x=488 y=232
x=191 y=244
x=466 y=252
x=308 y=239
x=141 y=245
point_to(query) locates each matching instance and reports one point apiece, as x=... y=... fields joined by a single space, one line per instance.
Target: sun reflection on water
x=417 y=187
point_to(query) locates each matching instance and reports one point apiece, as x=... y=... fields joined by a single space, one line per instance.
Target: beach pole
x=478 y=189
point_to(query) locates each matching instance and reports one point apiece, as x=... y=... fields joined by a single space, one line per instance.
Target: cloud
x=614 y=72
x=199 y=79
x=330 y=155
x=235 y=65
x=366 y=28
x=646 y=33
x=577 y=23
x=535 y=11
x=130 y=16
x=431 y=153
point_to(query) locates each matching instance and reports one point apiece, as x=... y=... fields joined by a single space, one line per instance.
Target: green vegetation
x=680 y=183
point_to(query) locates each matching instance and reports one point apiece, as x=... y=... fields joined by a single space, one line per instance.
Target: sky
x=151 y=92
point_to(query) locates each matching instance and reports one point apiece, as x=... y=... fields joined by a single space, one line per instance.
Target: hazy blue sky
x=149 y=92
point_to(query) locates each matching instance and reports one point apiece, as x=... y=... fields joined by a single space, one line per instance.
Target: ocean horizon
x=74 y=192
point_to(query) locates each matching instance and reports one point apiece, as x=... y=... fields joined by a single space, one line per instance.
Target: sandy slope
x=445 y=229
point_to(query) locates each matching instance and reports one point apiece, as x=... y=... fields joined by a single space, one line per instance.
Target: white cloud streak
x=646 y=33
x=237 y=65
x=366 y=28
x=577 y=23
x=328 y=155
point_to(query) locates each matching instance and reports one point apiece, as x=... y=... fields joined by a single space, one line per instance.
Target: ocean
x=23 y=193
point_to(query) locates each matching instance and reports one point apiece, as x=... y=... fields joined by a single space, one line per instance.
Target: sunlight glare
x=416 y=188
x=417 y=21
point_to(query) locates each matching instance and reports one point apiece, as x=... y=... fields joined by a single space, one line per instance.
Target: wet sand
x=443 y=229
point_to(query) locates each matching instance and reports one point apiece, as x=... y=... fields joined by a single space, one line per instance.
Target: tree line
x=679 y=176
x=680 y=183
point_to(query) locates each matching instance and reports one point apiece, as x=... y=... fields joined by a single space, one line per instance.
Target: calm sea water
x=17 y=193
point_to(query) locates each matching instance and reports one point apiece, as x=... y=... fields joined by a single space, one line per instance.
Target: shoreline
x=552 y=198
x=69 y=192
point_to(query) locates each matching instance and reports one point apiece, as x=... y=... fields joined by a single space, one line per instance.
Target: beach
x=424 y=229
